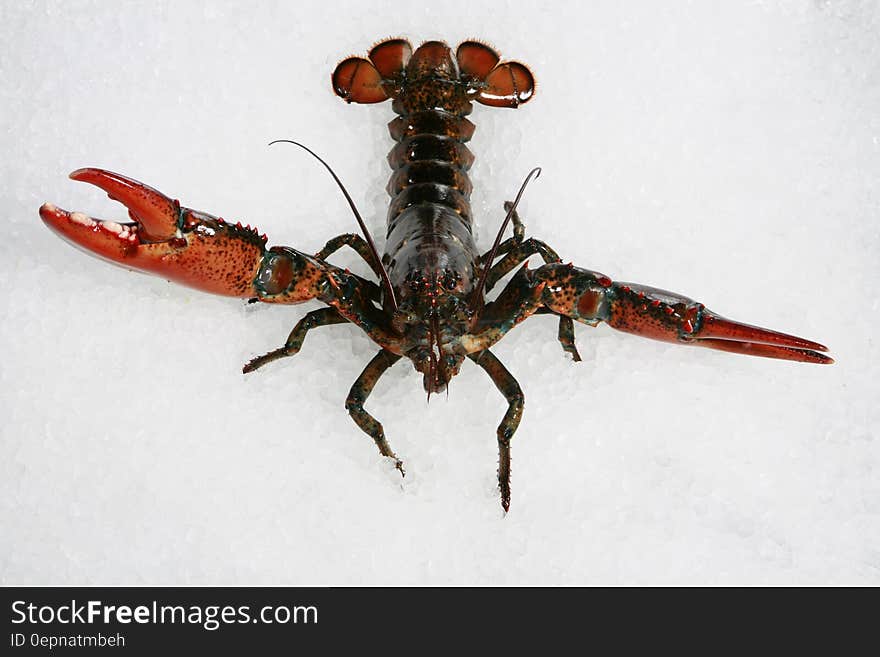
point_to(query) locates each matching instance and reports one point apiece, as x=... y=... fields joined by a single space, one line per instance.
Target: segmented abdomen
x=429 y=219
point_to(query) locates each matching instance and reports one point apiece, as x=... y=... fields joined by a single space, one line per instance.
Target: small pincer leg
x=509 y=387
x=314 y=319
x=357 y=396
x=566 y=338
x=519 y=228
x=517 y=250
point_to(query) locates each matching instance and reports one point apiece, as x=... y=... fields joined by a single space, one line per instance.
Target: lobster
x=429 y=304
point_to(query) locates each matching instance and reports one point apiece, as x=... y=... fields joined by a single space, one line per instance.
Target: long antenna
x=478 y=291
x=386 y=282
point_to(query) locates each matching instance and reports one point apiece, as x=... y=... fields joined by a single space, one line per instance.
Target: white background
x=729 y=151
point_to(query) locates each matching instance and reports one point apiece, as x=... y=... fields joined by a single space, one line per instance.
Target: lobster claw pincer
x=726 y=335
x=155 y=217
x=163 y=238
x=591 y=297
x=671 y=317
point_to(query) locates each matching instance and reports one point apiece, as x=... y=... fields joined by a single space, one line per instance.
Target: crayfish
x=429 y=304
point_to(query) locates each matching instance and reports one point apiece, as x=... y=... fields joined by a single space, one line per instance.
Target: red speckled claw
x=155 y=221
x=671 y=317
x=182 y=245
x=663 y=315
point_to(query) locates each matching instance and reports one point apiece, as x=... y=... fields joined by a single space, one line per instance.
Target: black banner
x=146 y=620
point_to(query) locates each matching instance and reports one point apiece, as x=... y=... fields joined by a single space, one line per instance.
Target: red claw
x=766 y=350
x=671 y=317
x=155 y=219
x=116 y=242
x=726 y=335
x=189 y=247
x=157 y=214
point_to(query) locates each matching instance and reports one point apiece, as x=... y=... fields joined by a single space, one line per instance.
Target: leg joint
x=354 y=403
